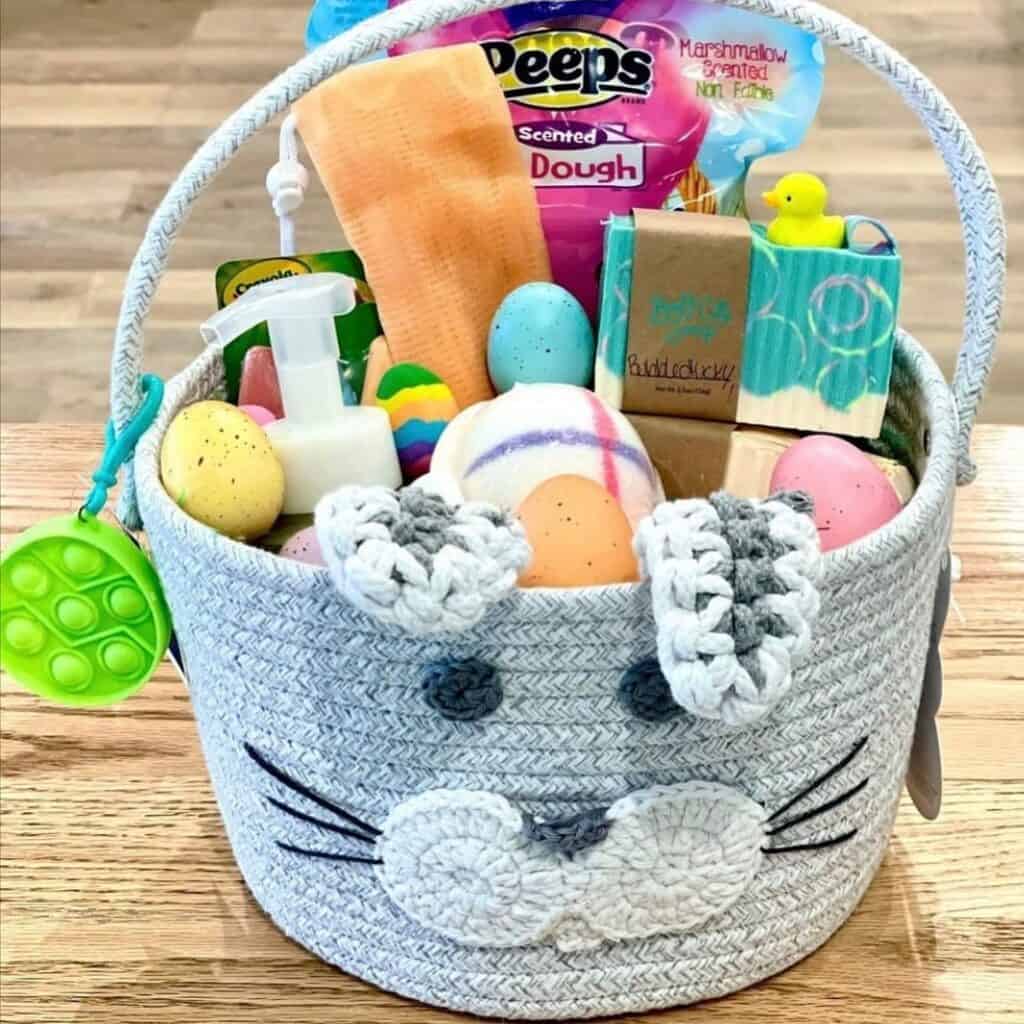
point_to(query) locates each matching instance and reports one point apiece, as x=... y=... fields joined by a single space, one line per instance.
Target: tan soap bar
x=697 y=457
x=421 y=162
x=378 y=361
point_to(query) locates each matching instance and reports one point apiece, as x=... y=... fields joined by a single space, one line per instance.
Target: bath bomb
x=258 y=414
x=501 y=450
x=579 y=535
x=304 y=546
x=219 y=467
x=539 y=334
x=852 y=496
x=419 y=405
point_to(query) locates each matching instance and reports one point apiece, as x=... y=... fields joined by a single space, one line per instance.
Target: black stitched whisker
x=815 y=811
x=348 y=858
x=305 y=791
x=302 y=816
x=834 y=770
x=820 y=845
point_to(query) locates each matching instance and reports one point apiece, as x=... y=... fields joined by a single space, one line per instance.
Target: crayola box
x=355 y=330
x=702 y=317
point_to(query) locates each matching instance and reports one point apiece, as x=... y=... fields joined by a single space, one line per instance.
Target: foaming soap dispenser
x=322 y=443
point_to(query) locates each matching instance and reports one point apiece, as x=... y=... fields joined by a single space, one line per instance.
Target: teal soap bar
x=613 y=311
x=817 y=353
x=818 y=338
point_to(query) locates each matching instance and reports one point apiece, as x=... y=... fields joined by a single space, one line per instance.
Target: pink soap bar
x=259 y=384
x=852 y=496
x=258 y=414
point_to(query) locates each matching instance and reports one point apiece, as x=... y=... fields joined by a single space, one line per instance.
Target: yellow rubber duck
x=801 y=199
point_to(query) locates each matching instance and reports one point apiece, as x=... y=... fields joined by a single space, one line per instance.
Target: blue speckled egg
x=540 y=335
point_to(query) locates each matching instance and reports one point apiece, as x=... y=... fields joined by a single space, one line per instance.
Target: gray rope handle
x=981 y=213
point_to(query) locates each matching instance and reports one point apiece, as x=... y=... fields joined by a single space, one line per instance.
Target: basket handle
x=981 y=213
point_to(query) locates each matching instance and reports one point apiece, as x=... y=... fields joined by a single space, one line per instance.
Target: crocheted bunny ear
x=734 y=589
x=411 y=559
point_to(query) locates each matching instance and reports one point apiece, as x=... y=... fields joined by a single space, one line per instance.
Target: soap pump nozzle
x=299 y=312
x=321 y=443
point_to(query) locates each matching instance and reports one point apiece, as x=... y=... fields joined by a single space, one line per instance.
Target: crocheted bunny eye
x=463 y=690
x=644 y=692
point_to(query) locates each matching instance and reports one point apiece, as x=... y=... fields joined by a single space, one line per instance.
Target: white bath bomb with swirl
x=499 y=451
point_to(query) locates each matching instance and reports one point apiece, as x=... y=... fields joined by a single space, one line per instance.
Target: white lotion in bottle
x=322 y=443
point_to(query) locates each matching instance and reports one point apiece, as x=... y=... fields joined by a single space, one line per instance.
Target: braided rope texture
x=980 y=209
x=735 y=597
x=278 y=659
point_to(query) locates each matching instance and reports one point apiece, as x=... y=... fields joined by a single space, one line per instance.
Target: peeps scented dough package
x=355 y=330
x=639 y=104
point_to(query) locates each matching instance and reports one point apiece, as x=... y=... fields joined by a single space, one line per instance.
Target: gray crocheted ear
x=411 y=559
x=734 y=589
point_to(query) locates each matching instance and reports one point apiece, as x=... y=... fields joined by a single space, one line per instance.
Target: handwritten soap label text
x=689 y=316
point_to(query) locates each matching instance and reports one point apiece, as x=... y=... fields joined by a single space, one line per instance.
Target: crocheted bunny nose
x=572 y=834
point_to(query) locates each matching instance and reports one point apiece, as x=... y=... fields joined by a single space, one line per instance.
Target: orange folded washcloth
x=421 y=163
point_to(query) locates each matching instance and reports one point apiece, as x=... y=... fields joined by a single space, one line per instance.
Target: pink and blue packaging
x=631 y=104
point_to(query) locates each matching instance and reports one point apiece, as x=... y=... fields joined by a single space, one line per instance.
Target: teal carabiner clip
x=83 y=620
x=119 y=448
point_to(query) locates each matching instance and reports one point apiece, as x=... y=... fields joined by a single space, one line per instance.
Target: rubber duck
x=801 y=199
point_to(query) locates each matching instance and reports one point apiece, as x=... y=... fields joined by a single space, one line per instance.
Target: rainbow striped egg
x=420 y=405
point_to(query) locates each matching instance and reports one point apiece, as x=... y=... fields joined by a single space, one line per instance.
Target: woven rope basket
x=278 y=661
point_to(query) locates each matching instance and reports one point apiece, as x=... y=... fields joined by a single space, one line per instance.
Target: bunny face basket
x=585 y=847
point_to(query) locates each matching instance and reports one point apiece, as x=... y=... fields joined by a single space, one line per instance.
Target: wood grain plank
x=84 y=105
x=32 y=24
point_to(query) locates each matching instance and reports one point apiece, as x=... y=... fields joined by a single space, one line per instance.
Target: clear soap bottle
x=322 y=443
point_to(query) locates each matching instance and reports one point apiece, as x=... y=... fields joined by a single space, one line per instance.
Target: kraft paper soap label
x=687 y=315
x=691 y=456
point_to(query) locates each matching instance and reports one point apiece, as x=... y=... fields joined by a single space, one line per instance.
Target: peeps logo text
x=689 y=316
x=565 y=69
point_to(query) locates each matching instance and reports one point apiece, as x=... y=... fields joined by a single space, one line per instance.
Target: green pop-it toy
x=83 y=619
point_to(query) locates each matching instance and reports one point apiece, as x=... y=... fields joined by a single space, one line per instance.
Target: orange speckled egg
x=579 y=535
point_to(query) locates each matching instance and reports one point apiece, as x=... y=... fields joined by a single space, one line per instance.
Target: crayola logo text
x=559 y=69
x=273 y=269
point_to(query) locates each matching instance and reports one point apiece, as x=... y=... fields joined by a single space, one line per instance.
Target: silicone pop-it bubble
x=83 y=620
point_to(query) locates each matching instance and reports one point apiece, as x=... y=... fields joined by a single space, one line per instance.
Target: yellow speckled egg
x=219 y=466
x=579 y=535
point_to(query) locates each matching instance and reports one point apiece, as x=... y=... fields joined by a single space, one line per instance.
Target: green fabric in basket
x=355 y=330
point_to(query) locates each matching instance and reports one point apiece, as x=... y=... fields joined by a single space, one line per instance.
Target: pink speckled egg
x=304 y=546
x=852 y=496
x=258 y=413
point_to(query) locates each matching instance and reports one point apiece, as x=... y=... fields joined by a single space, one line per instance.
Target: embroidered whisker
x=305 y=791
x=818 y=845
x=815 y=811
x=348 y=858
x=822 y=779
x=319 y=822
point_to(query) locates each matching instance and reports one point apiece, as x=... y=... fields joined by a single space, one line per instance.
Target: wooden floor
x=122 y=904
x=102 y=102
